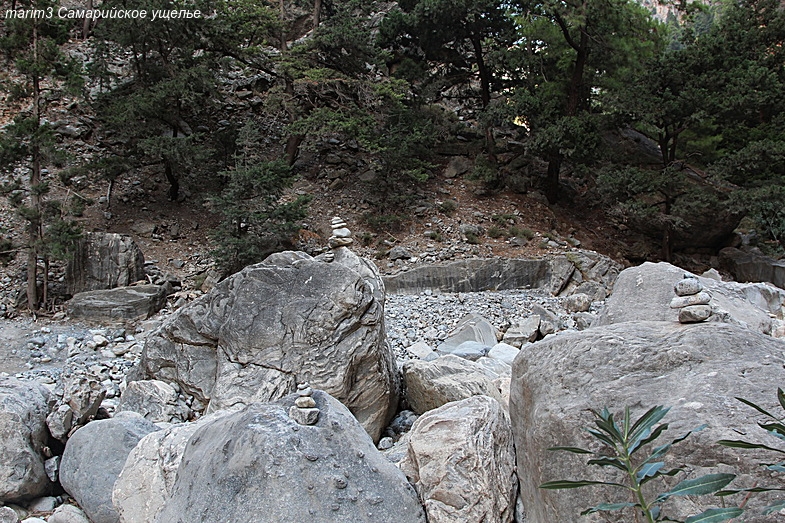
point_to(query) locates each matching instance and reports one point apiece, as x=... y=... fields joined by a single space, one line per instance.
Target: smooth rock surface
x=93 y=459
x=23 y=410
x=461 y=461
x=122 y=303
x=644 y=293
x=68 y=514
x=104 y=261
x=432 y=384
x=697 y=369
x=472 y=327
x=289 y=319
x=259 y=466
x=503 y=352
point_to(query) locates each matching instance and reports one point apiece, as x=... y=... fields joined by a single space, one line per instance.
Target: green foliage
x=472 y=238
x=448 y=207
x=255 y=221
x=494 y=231
x=624 y=448
x=775 y=428
x=520 y=232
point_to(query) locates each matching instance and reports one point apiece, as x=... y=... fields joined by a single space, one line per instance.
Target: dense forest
x=538 y=93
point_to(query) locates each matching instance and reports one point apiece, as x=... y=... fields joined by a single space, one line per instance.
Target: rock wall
x=104 y=261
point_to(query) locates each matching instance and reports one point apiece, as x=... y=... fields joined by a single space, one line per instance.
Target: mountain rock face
x=259 y=465
x=104 y=261
x=287 y=320
x=696 y=369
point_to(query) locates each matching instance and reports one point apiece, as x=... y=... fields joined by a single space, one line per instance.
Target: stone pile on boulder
x=691 y=300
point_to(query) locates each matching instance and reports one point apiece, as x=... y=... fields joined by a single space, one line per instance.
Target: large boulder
x=147 y=478
x=644 y=293
x=289 y=319
x=748 y=266
x=472 y=328
x=104 y=261
x=431 y=384
x=259 y=465
x=155 y=400
x=461 y=461
x=93 y=459
x=122 y=303
x=23 y=410
x=696 y=369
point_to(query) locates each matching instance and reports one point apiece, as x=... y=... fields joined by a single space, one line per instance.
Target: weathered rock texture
x=23 y=410
x=155 y=400
x=559 y=275
x=462 y=463
x=747 y=266
x=697 y=369
x=123 y=303
x=431 y=384
x=289 y=319
x=644 y=293
x=93 y=459
x=104 y=261
x=258 y=465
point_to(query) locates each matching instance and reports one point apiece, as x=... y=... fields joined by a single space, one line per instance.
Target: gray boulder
x=471 y=328
x=752 y=267
x=524 y=331
x=122 y=303
x=289 y=319
x=461 y=461
x=155 y=400
x=23 y=410
x=431 y=384
x=696 y=369
x=258 y=465
x=93 y=459
x=104 y=261
x=68 y=514
x=644 y=293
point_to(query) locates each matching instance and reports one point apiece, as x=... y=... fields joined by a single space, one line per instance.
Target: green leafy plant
x=494 y=231
x=775 y=427
x=623 y=443
x=520 y=232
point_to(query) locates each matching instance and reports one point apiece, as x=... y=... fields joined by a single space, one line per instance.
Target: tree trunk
x=283 y=23
x=317 y=13
x=667 y=233
x=171 y=177
x=34 y=226
x=552 y=179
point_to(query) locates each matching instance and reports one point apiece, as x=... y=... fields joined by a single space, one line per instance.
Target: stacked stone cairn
x=342 y=236
x=691 y=300
x=304 y=411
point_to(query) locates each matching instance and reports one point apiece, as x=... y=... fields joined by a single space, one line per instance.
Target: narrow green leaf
x=671 y=472
x=608 y=507
x=776 y=507
x=648 y=469
x=759 y=409
x=698 y=486
x=609 y=426
x=565 y=484
x=739 y=444
x=715 y=515
x=648 y=438
x=645 y=423
x=730 y=492
x=606 y=461
x=574 y=450
x=781 y=397
x=775 y=429
x=602 y=437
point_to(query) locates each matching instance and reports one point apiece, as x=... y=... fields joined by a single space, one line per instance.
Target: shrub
x=496 y=232
x=519 y=232
x=448 y=207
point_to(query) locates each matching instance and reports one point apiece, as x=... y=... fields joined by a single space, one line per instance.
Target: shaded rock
x=283 y=471
x=697 y=369
x=23 y=410
x=68 y=514
x=123 y=303
x=701 y=298
x=8 y=515
x=644 y=293
x=82 y=397
x=422 y=351
x=44 y=504
x=432 y=384
x=687 y=286
x=523 y=332
x=104 y=261
x=577 y=303
x=399 y=253
x=154 y=400
x=457 y=166
x=462 y=463
x=751 y=267
x=694 y=313
x=93 y=459
x=470 y=350
x=289 y=319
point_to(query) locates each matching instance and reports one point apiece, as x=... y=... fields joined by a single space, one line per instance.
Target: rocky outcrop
x=155 y=400
x=645 y=292
x=431 y=384
x=123 y=303
x=23 y=410
x=93 y=459
x=697 y=369
x=259 y=465
x=748 y=266
x=558 y=275
x=289 y=319
x=461 y=461
x=104 y=261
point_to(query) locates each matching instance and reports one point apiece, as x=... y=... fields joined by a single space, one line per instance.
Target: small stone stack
x=691 y=300
x=304 y=410
x=342 y=236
